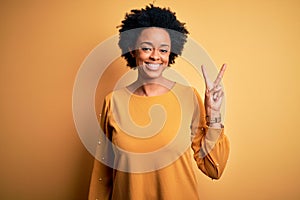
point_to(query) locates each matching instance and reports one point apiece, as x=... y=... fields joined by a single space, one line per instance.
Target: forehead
x=154 y=35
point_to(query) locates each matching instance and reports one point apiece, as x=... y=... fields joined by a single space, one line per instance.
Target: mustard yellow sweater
x=144 y=153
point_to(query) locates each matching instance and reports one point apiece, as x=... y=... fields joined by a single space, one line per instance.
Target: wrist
x=214 y=117
x=213 y=113
x=215 y=125
x=214 y=120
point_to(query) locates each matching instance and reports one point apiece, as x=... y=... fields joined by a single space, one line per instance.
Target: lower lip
x=153 y=68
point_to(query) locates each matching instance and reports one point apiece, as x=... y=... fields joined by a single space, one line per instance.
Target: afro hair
x=151 y=16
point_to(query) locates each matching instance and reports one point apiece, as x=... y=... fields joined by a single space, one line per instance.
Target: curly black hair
x=151 y=16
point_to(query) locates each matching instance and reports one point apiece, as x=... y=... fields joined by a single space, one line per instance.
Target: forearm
x=213 y=153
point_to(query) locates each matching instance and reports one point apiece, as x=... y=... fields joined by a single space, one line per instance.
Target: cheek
x=165 y=58
x=141 y=57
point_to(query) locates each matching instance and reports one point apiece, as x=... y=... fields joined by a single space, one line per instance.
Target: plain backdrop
x=43 y=44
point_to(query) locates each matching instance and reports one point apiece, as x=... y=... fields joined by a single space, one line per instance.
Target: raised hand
x=213 y=94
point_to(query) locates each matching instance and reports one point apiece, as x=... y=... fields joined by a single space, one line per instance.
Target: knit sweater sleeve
x=210 y=145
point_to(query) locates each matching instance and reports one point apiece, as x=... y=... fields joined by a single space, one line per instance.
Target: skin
x=152 y=52
x=152 y=57
x=213 y=95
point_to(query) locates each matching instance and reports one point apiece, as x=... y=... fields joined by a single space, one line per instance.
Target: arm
x=210 y=144
x=102 y=176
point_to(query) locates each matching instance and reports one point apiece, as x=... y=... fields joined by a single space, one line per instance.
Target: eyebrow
x=149 y=43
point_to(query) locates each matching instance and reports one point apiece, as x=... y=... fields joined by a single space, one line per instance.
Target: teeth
x=153 y=66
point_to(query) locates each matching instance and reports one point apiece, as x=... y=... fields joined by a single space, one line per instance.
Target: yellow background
x=43 y=44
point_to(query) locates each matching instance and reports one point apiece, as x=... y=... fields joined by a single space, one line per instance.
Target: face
x=152 y=52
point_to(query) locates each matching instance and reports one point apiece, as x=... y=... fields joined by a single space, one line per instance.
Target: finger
x=217 y=95
x=220 y=75
x=220 y=99
x=220 y=94
x=205 y=76
x=215 y=89
x=207 y=91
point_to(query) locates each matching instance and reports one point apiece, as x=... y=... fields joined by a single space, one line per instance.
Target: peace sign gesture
x=213 y=93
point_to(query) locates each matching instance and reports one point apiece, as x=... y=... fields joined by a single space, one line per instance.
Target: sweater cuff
x=213 y=134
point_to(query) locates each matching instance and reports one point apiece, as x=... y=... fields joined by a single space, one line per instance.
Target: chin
x=153 y=74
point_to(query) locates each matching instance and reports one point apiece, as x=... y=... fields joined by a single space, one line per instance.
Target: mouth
x=153 y=66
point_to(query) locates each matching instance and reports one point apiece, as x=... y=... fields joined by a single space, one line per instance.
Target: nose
x=155 y=54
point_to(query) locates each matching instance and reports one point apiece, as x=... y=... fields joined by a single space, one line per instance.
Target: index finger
x=205 y=76
x=220 y=75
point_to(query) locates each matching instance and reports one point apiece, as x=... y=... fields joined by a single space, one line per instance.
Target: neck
x=151 y=87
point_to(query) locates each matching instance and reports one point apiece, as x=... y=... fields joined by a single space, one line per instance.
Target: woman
x=151 y=124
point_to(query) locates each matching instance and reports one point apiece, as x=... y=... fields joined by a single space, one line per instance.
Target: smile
x=153 y=66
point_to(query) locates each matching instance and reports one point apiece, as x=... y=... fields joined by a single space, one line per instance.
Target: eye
x=146 y=49
x=164 y=50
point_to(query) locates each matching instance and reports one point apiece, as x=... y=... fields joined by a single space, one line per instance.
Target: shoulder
x=186 y=89
x=188 y=92
x=117 y=97
x=115 y=93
